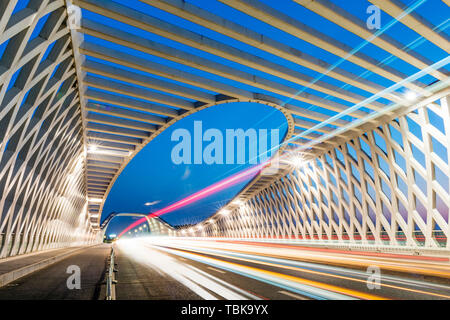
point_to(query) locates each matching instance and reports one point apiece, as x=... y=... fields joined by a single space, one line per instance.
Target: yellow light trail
x=418 y=268
x=327 y=275
x=324 y=286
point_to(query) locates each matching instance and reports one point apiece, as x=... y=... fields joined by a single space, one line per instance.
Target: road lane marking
x=217 y=270
x=321 y=273
x=229 y=285
x=363 y=261
x=303 y=281
x=292 y=295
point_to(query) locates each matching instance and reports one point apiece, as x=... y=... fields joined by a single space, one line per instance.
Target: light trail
x=293 y=265
x=210 y=190
x=327 y=256
x=307 y=287
x=290 y=270
x=361 y=104
x=240 y=176
x=355 y=50
x=195 y=279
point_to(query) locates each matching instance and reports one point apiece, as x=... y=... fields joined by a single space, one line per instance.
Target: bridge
x=359 y=180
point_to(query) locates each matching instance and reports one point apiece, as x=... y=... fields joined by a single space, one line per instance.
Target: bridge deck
x=137 y=281
x=153 y=270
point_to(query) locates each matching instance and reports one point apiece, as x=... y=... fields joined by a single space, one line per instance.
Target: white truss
x=42 y=188
x=124 y=113
x=59 y=92
x=389 y=186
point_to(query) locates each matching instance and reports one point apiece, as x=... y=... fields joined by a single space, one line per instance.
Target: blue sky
x=152 y=175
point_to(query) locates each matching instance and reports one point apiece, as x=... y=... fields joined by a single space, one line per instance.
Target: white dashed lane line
x=217 y=270
x=292 y=295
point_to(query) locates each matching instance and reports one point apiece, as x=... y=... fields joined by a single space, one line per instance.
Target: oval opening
x=189 y=156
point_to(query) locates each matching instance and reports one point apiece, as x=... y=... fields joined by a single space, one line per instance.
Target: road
x=245 y=270
x=192 y=269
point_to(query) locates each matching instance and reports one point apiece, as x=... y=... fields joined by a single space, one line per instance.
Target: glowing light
x=211 y=221
x=411 y=96
x=237 y=202
x=296 y=161
x=224 y=212
x=96 y=200
x=95 y=149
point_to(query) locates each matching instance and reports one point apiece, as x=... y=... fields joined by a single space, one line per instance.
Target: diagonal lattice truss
x=85 y=84
x=145 y=64
x=389 y=186
x=42 y=174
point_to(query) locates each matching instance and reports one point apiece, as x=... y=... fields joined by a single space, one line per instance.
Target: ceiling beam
x=141 y=64
x=148 y=82
x=172 y=54
x=124 y=123
x=353 y=24
x=277 y=19
x=164 y=29
x=124 y=113
x=122 y=101
x=137 y=92
x=261 y=41
x=114 y=138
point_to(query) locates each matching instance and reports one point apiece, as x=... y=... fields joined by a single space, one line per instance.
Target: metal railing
x=110 y=278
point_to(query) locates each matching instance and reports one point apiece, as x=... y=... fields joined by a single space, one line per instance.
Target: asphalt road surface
x=236 y=270
x=188 y=269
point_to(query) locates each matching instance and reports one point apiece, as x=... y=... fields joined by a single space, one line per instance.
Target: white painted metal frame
x=52 y=108
x=122 y=118
x=42 y=188
x=388 y=187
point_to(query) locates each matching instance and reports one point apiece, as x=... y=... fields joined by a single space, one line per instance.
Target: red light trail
x=214 y=188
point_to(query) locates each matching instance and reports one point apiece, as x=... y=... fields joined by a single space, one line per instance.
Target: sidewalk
x=51 y=282
x=13 y=268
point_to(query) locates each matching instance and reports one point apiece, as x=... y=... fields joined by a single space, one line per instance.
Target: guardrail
x=110 y=278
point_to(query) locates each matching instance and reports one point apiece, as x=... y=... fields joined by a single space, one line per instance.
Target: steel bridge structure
x=86 y=84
